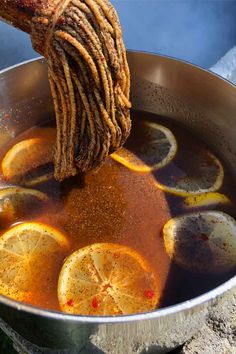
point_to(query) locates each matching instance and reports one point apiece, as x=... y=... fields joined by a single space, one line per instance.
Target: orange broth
x=115 y=204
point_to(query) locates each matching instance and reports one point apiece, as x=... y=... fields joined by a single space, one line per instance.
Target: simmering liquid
x=118 y=205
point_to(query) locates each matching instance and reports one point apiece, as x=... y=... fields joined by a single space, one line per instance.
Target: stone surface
x=218 y=335
x=226 y=66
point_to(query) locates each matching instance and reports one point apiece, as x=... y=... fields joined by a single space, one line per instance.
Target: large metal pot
x=197 y=99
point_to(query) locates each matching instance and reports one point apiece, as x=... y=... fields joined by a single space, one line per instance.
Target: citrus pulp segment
x=107 y=279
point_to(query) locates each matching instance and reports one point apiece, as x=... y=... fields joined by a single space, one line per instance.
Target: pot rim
x=183 y=306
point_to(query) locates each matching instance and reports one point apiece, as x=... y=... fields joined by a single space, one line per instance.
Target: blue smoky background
x=199 y=31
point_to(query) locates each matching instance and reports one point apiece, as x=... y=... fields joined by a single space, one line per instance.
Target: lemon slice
x=35 y=180
x=16 y=202
x=206 y=174
x=27 y=155
x=206 y=200
x=203 y=242
x=156 y=149
x=107 y=279
x=27 y=260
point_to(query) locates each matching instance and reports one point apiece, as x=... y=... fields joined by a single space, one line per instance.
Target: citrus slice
x=16 y=202
x=107 y=279
x=205 y=174
x=35 y=180
x=203 y=242
x=28 y=154
x=206 y=200
x=155 y=150
x=28 y=254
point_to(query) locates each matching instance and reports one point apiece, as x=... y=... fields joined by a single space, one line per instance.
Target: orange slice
x=28 y=254
x=206 y=200
x=208 y=176
x=156 y=150
x=16 y=202
x=107 y=279
x=32 y=181
x=203 y=242
x=28 y=154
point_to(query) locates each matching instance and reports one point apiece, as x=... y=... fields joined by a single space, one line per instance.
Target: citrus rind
x=206 y=200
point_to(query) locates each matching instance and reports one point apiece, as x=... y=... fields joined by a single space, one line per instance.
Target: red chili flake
x=149 y=293
x=61 y=20
x=70 y=302
x=95 y=304
x=204 y=237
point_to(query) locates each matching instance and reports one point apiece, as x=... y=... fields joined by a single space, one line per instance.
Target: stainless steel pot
x=195 y=98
